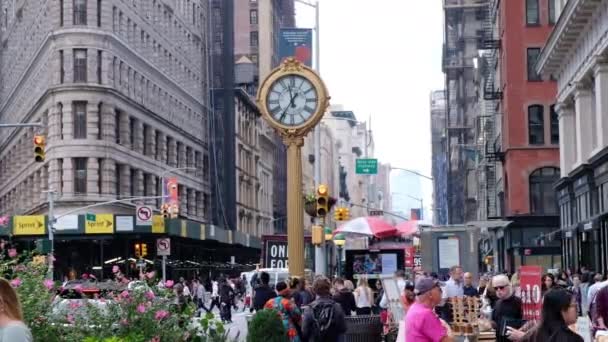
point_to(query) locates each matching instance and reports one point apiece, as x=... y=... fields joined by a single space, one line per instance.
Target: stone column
x=36 y=189
x=93 y=176
x=125 y=133
x=68 y=13
x=55 y=175
x=54 y=123
x=183 y=200
x=600 y=73
x=150 y=149
x=190 y=159
x=139 y=136
x=107 y=72
x=191 y=202
x=567 y=137
x=68 y=55
x=584 y=124
x=200 y=208
x=92 y=64
x=151 y=185
x=108 y=123
x=93 y=117
x=44 y=183
x=181 y=154
x=161 y=147
x=68 y=121
x=172 y=152
x=68 y=177
x=125 y=180
x=139 y=183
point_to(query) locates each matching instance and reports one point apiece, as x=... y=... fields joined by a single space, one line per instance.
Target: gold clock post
x=293 y=99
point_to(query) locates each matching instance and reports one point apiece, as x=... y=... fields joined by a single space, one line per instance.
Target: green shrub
x=267 y=326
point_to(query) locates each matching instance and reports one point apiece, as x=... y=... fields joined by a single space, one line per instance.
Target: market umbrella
x=408 y=228
x=367 y=226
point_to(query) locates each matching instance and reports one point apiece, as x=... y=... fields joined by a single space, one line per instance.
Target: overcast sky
x=382 y=59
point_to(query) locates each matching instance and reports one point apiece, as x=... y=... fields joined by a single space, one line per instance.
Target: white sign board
x=449 y=253
x=143 y=214
x=124 y=223
x=163 y=247
x=68 y=222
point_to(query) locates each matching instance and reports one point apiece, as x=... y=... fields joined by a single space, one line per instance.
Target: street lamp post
x=414 y=198
x=339 y=242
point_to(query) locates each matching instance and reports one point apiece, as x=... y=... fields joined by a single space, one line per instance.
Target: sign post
x=163 y=248
x=366 y=166
x=530 y=291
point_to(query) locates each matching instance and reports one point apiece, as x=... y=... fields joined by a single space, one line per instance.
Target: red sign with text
x=531 y=291
x=410 y=252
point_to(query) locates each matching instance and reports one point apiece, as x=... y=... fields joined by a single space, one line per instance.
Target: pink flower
x=78 y=288
x=151 y=275
x=141 y=308
x=150 y=295
x=85 y=276
x=70 y=318
x=12 y=252
x=74 y=305
x=16 y=282
x=20 y=268
x=3 y=220
x=48 y=283
x=155 y=339
x=160 y=315
x=115 y=269
x=169 y=284
x=124 y=294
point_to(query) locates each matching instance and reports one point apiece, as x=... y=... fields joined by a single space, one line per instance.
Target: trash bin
x=366 y=328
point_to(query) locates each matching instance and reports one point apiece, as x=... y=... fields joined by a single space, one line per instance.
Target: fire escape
x=488 y=139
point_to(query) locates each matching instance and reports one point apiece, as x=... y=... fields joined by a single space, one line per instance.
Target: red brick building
x=527 y=140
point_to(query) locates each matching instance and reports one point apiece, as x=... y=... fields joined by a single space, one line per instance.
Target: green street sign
x=366 y=166
x=91 y=217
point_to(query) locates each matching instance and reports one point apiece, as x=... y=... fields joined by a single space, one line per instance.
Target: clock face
x=292 y=100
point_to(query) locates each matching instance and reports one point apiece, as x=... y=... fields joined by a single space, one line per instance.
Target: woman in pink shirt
x=421 y=322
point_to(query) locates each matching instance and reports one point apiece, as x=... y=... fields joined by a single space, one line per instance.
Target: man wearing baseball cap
x=421 y=322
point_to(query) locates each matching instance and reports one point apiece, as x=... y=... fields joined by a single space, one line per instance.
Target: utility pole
x=51 y=228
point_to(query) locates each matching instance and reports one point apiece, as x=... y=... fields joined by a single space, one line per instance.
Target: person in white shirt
x=215 y=295
x=363 y=297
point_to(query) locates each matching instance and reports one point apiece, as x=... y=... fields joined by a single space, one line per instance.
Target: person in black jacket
x=263 y=292
x=344 y=297
x=558 y=312
x=323 y=319
x=508 y=310
x=226 y=301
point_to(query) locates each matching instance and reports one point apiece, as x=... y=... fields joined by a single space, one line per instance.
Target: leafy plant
x=267 y=326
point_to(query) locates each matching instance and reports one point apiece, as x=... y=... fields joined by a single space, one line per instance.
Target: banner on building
x=530 y=291
x=297 y=43
x=171 y=191
x=28 y=225
x=410 y=252
x=415 y=214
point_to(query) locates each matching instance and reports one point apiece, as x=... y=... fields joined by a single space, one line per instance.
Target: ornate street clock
x=293 y=99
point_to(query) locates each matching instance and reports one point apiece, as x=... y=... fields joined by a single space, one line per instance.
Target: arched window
x=536 y=125
x=542 y=194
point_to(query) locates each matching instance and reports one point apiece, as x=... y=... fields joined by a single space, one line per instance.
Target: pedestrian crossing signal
x=39 y=148
x=164 y=210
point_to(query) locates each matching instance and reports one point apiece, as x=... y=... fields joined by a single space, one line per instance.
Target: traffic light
x=174 y=210
x=322 y=200
x=339 y=214
x=164 y=210
x=39 y=147
x=144 y=249
x=137 y=250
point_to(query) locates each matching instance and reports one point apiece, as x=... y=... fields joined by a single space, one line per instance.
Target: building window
x=61 y=13
x=254 y=58
x=532 y=13
x=61 y=69
x=532 y=58
x=80 y=120
x=80 y=65
x=80 y=175
x=536 y=125
x=542 y=194
x=132 y=133
x=117 y=126
x=551 y=11
x=554 y=126
x=98 y=13
x=253 y=38
x=100 y=129
x=132 y=183
x=253 y=17
x=100 y=178
x=99 y=61
x=118 y=184
x=80 y=12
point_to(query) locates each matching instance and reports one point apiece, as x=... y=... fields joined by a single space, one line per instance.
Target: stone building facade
x=254 y=165
x=121 y=88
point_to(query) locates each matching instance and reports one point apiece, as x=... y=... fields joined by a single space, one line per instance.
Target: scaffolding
x=465 y=22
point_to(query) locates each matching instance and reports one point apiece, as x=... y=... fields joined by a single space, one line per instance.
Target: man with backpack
x=323 y=319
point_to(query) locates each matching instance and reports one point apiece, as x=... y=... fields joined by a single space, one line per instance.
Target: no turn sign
x=143 y=215
x=163 y=246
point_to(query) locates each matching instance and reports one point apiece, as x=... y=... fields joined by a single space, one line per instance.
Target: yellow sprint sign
x=28 y=225
x=103 y=224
